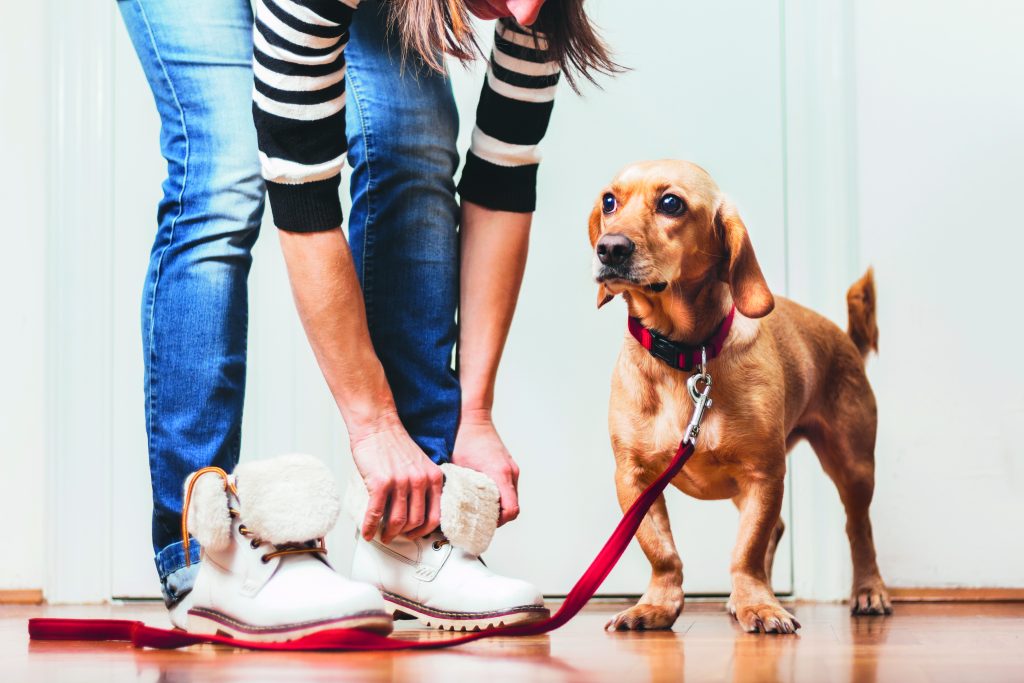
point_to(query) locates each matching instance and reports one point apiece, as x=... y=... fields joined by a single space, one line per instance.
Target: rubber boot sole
x=210 y=622
x=401 y=608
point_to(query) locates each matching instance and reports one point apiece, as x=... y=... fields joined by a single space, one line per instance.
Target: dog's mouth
x=608 y=276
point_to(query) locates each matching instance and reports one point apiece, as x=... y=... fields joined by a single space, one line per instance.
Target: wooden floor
x=921 y=642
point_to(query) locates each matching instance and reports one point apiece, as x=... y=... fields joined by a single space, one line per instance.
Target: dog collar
x=681 y=356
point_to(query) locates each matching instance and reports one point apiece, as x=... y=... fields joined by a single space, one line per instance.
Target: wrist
x=370 y=407
x=476 y=413
x=372 y=421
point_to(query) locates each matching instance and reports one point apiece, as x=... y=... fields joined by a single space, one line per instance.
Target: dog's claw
x=765 y=618
x=643 y=617
x=871 y=601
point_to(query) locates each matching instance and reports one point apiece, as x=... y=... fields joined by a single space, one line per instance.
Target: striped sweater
x=299 y=112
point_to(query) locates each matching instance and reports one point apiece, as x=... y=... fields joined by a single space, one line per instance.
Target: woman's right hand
x=403 y=483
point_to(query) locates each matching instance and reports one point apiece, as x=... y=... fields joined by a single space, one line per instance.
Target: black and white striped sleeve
x=299 y=107
x=512 y=117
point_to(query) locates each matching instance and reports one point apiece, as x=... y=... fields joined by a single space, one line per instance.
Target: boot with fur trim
x=440 y=579
x=264 y=574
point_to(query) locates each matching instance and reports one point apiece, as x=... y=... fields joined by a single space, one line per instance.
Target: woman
x=387 y=363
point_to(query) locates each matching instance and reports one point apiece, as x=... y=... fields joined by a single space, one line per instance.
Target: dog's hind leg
x=660 y=606
x=845 y=446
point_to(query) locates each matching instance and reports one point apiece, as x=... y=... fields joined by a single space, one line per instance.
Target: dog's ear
x=594 y=226
x=740 y=269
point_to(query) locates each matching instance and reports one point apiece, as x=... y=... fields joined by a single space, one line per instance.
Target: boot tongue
x=289 y=499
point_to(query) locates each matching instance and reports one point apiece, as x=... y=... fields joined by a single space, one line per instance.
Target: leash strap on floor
x=141 y=635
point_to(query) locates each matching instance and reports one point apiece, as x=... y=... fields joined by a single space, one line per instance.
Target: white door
x=704 y=85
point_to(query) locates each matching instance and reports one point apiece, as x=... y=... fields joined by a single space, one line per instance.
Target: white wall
x=23 y=134
x=936 y=109
x=940 y=112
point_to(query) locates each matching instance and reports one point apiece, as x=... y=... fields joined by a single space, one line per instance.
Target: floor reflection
x=921 y=642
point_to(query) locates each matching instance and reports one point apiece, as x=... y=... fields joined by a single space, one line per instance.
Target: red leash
x=141 y=635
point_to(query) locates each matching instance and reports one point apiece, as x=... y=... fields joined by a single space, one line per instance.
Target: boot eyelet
x=254 y=544
x=436 y=545
x=265 y=558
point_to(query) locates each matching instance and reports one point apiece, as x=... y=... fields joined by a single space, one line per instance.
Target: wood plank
x=957 y=594
x=29 y=596
x=920 y=642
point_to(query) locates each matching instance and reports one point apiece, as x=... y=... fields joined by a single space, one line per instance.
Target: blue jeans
x=402 y=126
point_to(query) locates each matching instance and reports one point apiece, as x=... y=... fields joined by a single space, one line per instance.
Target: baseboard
x=957 y=594
x=21 y=597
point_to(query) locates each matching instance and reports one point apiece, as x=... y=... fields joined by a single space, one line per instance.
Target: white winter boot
x=440 y=579
x=264 y=574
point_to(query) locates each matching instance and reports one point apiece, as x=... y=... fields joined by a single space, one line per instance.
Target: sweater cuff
x=307 y=207
x=501 y=188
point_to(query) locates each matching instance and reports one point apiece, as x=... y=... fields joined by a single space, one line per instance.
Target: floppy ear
x=750 y=292
x=594 y=226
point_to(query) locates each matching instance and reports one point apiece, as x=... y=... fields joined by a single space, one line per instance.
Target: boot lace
x=310 y=547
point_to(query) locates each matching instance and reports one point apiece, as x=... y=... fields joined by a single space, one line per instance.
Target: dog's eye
x=608 y=203
x=671 y=205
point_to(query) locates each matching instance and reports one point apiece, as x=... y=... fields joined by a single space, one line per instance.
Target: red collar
x=681 y=356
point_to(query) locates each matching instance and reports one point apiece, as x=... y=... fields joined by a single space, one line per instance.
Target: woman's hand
x=403 y=483
x=478 y=447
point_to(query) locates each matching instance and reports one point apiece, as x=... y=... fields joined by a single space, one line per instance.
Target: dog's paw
x=871 y=599
x=763 y=617
x=643 y=617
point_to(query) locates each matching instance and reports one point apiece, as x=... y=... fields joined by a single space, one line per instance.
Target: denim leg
x=196 y=55
x=403 y=229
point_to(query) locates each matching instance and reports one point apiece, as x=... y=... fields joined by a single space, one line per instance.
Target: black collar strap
x=681 y=356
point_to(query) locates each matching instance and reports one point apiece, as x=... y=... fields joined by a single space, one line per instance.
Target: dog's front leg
x=660 y=606
x=753 y=602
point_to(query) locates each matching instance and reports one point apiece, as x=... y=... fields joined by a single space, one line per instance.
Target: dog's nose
x=613 y=250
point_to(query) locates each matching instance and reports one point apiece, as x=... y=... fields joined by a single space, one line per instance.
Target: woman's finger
x=417 y=496
x=374 y=512
x=509 y=503
x=431 y=505
x=398 y=511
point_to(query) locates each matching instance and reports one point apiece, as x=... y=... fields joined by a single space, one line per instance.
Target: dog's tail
x=860 y=304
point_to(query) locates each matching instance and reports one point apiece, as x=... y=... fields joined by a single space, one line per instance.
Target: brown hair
x=432 y=28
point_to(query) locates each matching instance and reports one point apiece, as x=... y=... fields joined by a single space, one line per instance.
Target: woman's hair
x=432 y=28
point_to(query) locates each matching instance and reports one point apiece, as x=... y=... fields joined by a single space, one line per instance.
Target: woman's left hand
x=478 y=447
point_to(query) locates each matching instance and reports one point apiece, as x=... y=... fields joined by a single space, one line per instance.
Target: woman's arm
x=330 y=305
x=498 y=189
x=299 y=113
x=494 y=246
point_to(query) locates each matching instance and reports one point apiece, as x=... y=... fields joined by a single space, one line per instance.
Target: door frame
x=823 y=246
x=79 y=314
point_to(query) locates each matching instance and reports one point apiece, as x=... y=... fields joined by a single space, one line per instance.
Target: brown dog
x=668 y=240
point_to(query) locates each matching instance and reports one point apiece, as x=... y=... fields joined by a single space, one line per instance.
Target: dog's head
x=662 y=228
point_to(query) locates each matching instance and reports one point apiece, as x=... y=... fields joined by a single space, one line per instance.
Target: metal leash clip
x=701 y=397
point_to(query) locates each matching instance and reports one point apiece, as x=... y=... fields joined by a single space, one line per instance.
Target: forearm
x=494 y=247
x=330 y=305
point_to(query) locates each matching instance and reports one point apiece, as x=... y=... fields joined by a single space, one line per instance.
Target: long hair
x=431 y=29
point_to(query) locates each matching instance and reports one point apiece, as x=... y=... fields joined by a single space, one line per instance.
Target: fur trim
x=209 y=519
x=469 y=508
x=287 y=499
x=356 y=499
